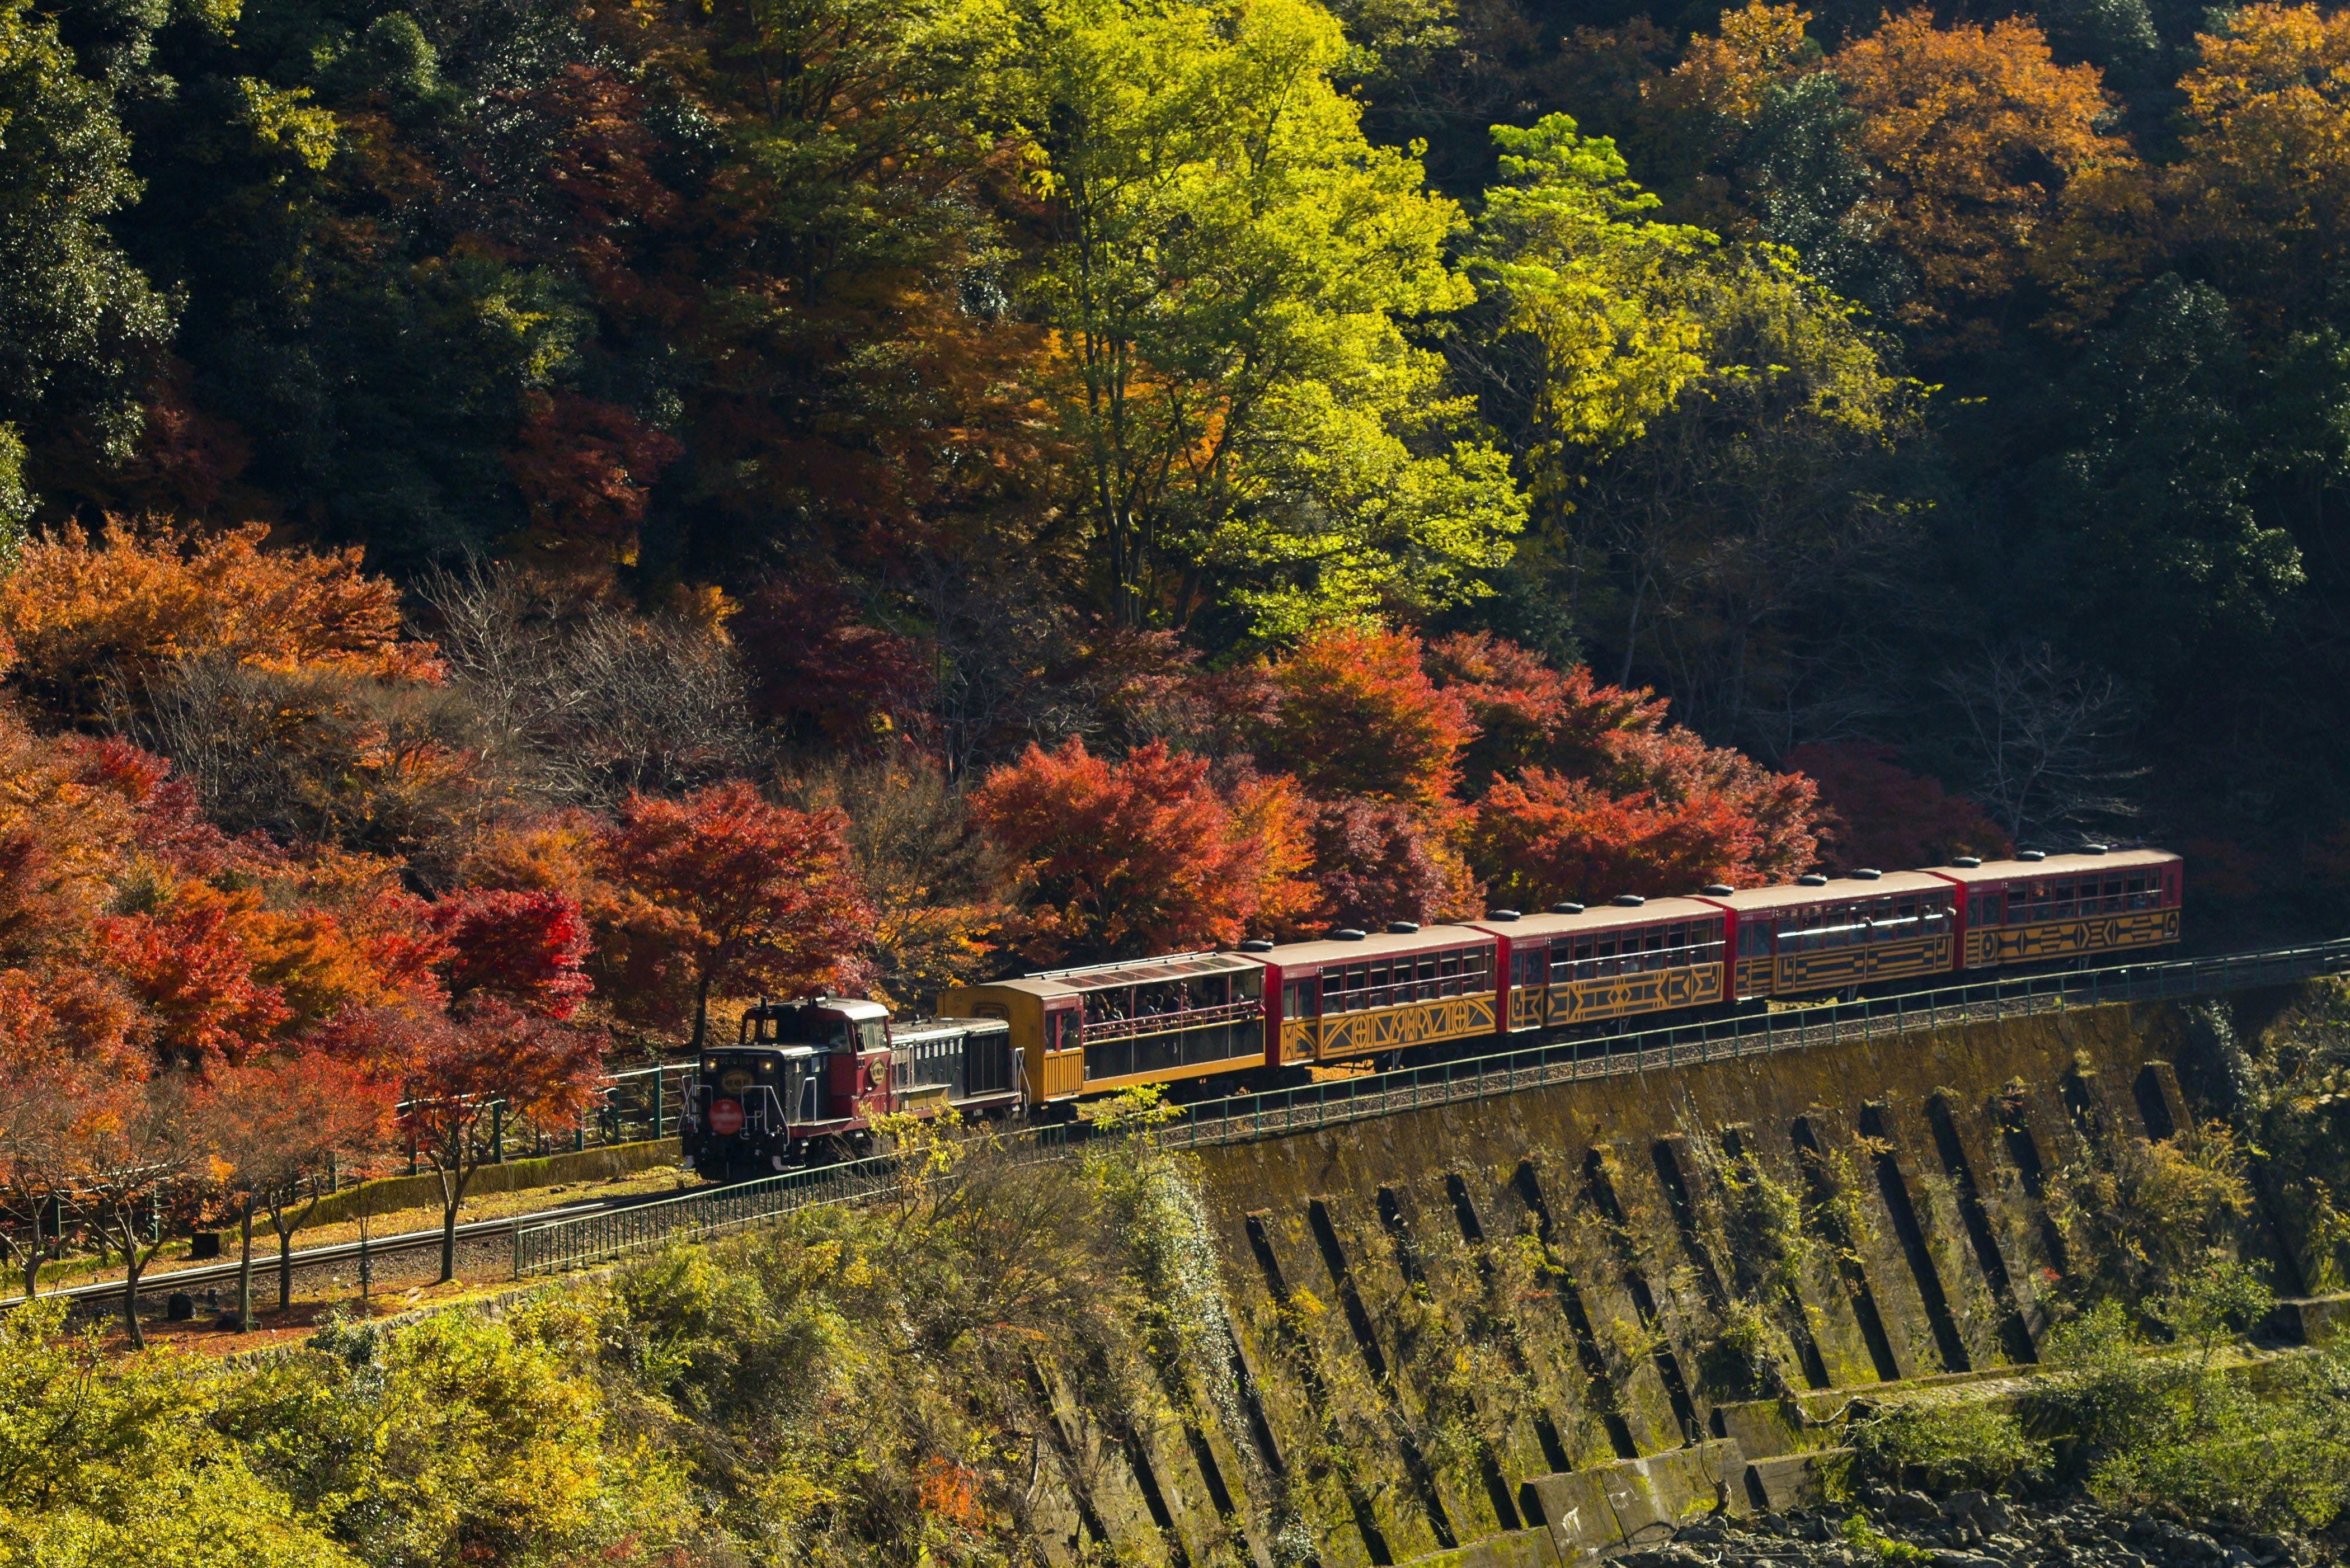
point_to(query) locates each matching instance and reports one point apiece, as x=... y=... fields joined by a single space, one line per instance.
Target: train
x=806 y=1080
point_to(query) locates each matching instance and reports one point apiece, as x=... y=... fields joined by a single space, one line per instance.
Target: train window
x=1477 y=972
x=1529 y=966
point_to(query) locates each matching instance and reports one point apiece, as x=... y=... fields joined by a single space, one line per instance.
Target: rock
x=179 y=1306
x=1965 y=1559
x=1911 y=1506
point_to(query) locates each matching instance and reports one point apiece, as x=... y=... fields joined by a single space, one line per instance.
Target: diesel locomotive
x=808 y=1077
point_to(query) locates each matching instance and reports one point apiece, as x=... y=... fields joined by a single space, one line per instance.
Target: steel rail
x=228 y=1270
x=569 y=1243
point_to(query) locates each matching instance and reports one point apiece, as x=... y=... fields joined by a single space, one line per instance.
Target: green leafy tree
x=80 y=328
x=1595 y=296
x=1232 y=268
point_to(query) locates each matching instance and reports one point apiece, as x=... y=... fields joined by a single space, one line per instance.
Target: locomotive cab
x=799 y=1075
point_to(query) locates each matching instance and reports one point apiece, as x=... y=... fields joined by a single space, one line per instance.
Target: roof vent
x=1716 y=889
x=1402 y=928
x=1347 y=934
x=1966 y=862
x=1627 y=900
x=1568 y=908
x=2032 y=855
x=1865 y=873
x=1813 y=880
x=1501 y=914
x=2093 y=849
x=1256 y=945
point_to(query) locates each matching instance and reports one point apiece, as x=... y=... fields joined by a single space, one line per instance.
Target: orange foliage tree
x=1975 y=133
x=276 y=1125
x=721 y=892
x=1541 y=837
x=84 y=614
x=1355 y=714
x=1139 y=855
x=2264 y=190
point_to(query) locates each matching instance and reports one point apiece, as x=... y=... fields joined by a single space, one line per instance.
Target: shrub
x=1946 y=1443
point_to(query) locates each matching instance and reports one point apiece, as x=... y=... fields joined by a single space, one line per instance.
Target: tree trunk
x=132 y=1266
x=700 y=1014
x=285 y=1266
x=33 y=1260
x=449 y=1241
x=245 y=1267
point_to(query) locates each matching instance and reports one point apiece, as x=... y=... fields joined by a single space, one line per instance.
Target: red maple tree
x=1880 y=814
x=1542 y=838
x=465 y=1076
x=527 y=945
x=722 y=892
x=1141 y=854
x=1373 y=861
x=1354 y=713
x=188 y=961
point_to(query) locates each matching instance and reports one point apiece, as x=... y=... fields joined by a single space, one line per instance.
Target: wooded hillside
x=1060 y=477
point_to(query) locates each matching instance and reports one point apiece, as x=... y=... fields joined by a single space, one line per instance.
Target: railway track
x=566 y=1235
x=555 y=1244
x=492 y=1237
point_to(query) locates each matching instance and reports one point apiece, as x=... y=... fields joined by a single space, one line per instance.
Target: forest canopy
x=1052 y=478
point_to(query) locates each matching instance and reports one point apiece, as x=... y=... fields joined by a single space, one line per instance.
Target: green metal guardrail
x=1279 y=1113
x=577 y=1242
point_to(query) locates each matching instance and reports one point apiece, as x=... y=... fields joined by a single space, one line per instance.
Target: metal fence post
x=660 y=1096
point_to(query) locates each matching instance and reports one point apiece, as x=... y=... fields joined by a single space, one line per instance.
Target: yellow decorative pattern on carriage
x=2044 y=940
x=1754 y=978
x=1832 y=967
x=1378 y=1029
x=1529 y=1007
x=1627 y=995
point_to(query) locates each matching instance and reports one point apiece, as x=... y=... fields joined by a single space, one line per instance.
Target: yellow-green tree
x=1231 y=268
x=1596 y=297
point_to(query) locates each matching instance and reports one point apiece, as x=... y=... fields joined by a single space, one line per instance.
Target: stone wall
x=1518 y=1330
